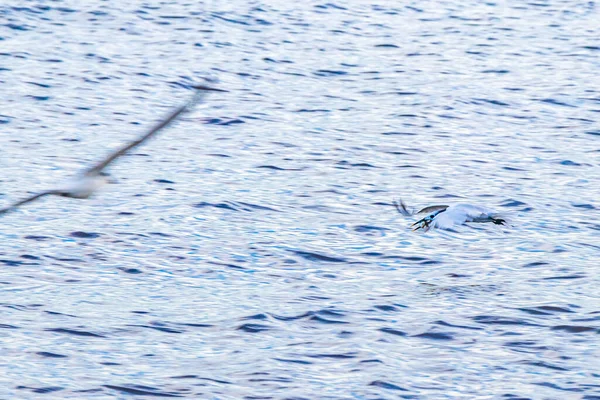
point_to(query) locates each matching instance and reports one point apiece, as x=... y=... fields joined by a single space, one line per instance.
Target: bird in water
x=446 y=217
x=87 y=182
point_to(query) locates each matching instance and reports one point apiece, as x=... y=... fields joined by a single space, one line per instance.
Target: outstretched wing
x=28 y=200
x=198 y=96
x=431 y=209
x=402 y=209
x=112 y=157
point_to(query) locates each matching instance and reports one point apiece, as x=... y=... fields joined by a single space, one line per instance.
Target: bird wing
x=402 y=209
x=431 y=209
x=96 y=169
x=28 y=200
x=200 y=91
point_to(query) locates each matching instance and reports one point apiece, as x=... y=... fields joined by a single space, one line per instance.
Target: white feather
x=459 y=214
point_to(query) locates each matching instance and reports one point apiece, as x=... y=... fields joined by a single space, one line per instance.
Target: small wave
x=253 y=328
x=235 y=206
x=50 y=355
x=141 y=391
x=490 y=319
x=42 y=390
x=575 y=328
x=318 y=257
x=435 y=336
x=387 y=385
x=85 y=235
x=75 y=332
x=393 y=331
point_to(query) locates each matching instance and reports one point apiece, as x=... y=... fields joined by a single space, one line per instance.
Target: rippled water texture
x=252 y=251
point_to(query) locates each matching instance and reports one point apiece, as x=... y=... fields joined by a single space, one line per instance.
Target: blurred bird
x=86 y=183
x=445 y=217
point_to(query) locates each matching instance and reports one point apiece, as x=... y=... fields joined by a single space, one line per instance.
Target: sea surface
x=251 y=250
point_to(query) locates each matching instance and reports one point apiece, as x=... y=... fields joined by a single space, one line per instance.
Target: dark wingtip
x=208 y=88
x=499 y=221
x=401 y=207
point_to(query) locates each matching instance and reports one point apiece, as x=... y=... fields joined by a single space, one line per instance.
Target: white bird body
x=459 y=214
x=85 y=184
x=447 y=217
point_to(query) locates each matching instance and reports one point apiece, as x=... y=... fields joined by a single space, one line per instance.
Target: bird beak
x=419 y=222
x=208 y=88
x=422 y=224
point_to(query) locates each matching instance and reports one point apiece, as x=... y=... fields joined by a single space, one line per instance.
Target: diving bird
x=87 y=182
x=445 y=217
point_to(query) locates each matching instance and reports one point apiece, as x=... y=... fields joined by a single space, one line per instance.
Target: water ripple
x=252 y=250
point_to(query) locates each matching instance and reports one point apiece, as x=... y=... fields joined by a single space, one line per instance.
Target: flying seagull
x=87 y=182
x=445 y=217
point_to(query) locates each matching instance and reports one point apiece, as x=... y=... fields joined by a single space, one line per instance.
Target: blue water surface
x=252 y=251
